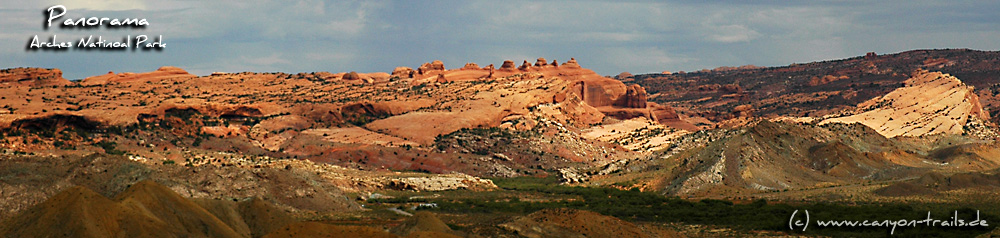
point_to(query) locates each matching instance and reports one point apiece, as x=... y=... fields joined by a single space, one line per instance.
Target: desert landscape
x=541 y=148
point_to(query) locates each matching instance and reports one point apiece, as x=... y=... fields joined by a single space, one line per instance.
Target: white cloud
x=733 y=34
x=642 y=60
x=101 y=5
x=607 y=36
x=273 y=60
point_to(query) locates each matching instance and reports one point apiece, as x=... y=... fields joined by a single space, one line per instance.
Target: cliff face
x=928 y=103
x=34 y=77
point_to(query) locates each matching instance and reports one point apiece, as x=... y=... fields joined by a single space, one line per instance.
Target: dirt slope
x=423 y=222
x=144 y=210
x=250 y=218
x=316 y=229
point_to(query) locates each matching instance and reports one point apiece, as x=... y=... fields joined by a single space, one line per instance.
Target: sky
x=376 y=36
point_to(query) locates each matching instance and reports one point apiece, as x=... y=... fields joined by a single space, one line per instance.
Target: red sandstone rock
x=507 y=65
x=441 y=79
x=432 y=66
x=33 y=77
x=635 y=97
x=352 y=76
x=524 y=66
x=745 y=110
x=164 y=72
x=624 y=75
x=403 y=72
x=571 y=63
x=541 y=62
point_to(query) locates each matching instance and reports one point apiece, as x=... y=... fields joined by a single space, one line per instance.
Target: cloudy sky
x=607 y=36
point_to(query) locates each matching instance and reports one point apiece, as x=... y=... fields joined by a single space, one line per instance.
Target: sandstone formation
x=368 y=78
x=349 y=119
x=624 y=75
x=470 y=66
x=403 y=72
x=667 y=116
x=524 y=66
x=303 y=141
x=571 y=63
x=928 y=103
x=441 y=183
x=352 y=76
x=604 y=95
x=635 y=97
x=585 y=98
x=541 y=62
x=491 y=69
x=816 y=81
x=440 y=79
x=745 y=110
x=436 y=65
x=34 y=77
x=162 y=73
x=638 y=134
x=839 y=84
x=507 y=65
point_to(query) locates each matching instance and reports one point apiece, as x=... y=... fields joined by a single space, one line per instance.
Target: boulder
x=624 y=75
x=352 y=76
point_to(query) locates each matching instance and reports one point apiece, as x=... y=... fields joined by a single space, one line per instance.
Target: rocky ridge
x=928 y=103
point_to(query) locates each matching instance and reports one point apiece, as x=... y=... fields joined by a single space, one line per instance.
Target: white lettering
x=62 y=11
x=57 y=11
